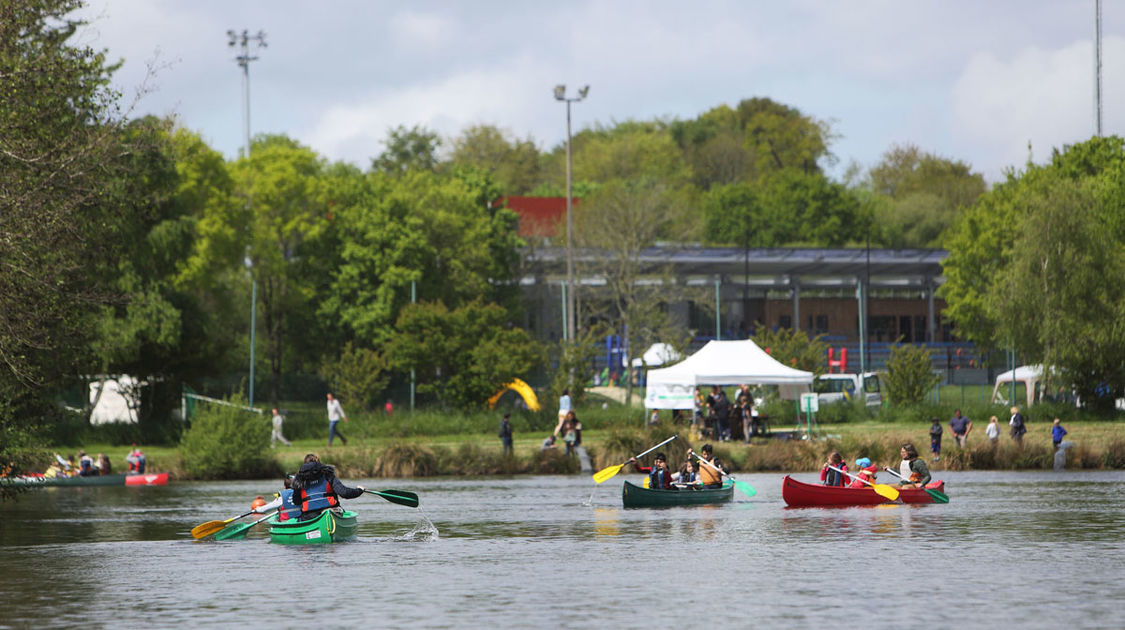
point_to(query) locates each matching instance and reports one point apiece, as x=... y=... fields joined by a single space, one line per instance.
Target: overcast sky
x=970 y=80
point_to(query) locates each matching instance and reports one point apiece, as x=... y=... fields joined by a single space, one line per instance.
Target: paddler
x=913 y=470
x=659 y=476
x=708 y=475
x=867 y=472
x=316 y=488
x=283 y=501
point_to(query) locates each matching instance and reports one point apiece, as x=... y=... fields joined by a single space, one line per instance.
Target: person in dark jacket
x=316 y=488
x=659 y=475
x=506 y=433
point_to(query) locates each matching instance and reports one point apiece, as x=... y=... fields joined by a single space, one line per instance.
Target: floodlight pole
x=569 y=325
x=244 y=40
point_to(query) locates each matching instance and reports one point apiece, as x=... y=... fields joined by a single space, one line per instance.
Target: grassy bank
x=414 y=453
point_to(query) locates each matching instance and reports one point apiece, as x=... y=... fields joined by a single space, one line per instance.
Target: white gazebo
x=719 y=363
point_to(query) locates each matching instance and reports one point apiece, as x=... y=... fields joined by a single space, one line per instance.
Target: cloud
x=1041 y=96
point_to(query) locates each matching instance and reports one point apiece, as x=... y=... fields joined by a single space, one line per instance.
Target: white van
x=832 y=388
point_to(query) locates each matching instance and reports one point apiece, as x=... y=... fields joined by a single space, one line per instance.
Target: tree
x=793 y=348
x=513 y=163
x=439 y=231
x=1035 y=265
x=910 y=375
x=463 y=355
x=923 y=193
x=59 y=135
x=620 y=222
x=806 y=208
x=413 y=149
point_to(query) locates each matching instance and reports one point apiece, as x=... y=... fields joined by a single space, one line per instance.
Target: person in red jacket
x=831 y=477
x=659 y=475
x=867 y=472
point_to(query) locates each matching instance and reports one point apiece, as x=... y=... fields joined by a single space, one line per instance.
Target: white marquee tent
x=718 y=363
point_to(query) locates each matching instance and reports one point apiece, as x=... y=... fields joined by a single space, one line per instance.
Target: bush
x=910 y=375
x=226 y=442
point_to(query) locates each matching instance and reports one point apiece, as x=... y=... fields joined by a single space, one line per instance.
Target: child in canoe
x=830 y=477
x=866 y=473
x=659 y=476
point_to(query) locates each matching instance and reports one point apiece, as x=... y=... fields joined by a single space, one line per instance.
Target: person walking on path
x=993 y=430
x=506 y=433
x=960 y=426
x=1016 y=426
x=277 y=434
x=335 y=415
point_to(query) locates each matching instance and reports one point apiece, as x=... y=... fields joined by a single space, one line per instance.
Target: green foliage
x=513 y=163
x=226 y=442
x=413 y=149
x=359 y=375
x=1036 y=264
x=575 y=366
x=910 y=375
x=793 y=348
x=462 y=355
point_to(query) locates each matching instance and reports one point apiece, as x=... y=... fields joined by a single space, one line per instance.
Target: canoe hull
x=800 y=494
x=156 y=479
x=634 y=496
x=327 y=528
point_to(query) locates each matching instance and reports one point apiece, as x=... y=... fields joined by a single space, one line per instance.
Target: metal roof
x=904 y=268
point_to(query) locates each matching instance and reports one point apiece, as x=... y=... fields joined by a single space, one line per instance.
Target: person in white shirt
x=335 y=415
x=564 y=408
x=993 y=430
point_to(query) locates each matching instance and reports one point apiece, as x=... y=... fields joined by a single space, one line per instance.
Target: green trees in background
x=228 y=442
x=1036 y=265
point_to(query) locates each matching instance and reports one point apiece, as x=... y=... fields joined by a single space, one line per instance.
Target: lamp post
x=560 y=95
x=244 y=40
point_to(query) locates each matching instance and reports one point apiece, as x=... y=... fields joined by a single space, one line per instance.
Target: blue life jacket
x=688 y=477
x=288 y=509
x=317 y=496
x=659 y=479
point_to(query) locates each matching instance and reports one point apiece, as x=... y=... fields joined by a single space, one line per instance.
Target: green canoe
x=633 y=495
x=326 y=528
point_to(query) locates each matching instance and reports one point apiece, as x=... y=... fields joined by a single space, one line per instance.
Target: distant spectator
x=277 y=434
x=548 y=443
x=960 y=426
x=335 y=415
x=565 y=407
x=389 y=407
x=935 y=438
x=506 y=433
x=1057 y=433
x=993 y=430
x=1016 y=426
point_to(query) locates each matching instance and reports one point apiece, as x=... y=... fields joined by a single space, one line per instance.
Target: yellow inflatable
x=521 y=388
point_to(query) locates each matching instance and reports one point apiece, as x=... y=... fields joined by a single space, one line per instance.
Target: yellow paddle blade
x=208 y=528
x=886 y=491
x=607 y=473
x=645 y=484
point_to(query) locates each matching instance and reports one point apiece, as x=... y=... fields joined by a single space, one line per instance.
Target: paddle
x=239 y=530
x=937 y=495
x=742 y=486
x=401 y=497
x=883 y=489
x=606 y=474
x=210 y=527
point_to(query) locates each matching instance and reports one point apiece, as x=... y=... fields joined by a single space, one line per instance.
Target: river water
x=1011 y=550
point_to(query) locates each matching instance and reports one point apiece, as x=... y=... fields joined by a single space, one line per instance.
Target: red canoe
x=799 y=494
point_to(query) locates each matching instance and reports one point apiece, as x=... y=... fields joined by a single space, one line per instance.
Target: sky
x=973 y=81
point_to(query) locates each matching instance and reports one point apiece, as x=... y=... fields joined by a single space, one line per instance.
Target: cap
x=863 y=462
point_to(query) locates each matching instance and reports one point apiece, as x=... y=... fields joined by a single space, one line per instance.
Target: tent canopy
x=657 y=354
x=1029 y=375
x=718 y=363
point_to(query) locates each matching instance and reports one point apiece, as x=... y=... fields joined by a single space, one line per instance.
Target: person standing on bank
x=565 y=407
x=277 y=435
x=960 y=426
x=335 y=415
x=506 y=433
x=1016 y=426
x=316 y=488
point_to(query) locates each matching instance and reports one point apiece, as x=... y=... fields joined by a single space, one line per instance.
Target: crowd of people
x=87 y=466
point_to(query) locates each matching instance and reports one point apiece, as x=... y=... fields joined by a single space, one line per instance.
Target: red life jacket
x=318 y=496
